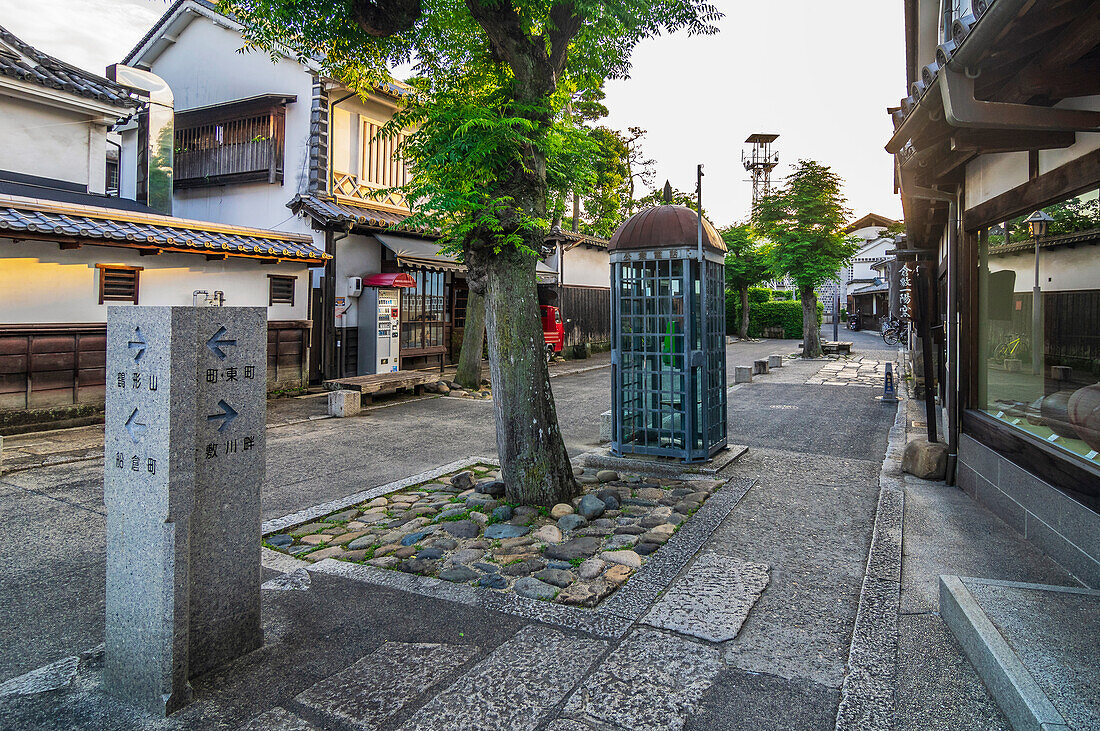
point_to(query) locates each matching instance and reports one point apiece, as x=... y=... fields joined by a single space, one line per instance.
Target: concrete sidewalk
x=342 y=653
x=844 y=632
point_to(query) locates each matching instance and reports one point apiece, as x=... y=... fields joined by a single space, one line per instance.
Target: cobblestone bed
x=459 y=528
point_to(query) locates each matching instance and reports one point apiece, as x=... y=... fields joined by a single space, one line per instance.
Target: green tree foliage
x=804 y=221
x=606 y=205
x=745 y=266
x=1071 y=216
x=493 y=145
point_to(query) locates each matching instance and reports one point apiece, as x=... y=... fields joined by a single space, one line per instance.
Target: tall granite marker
x=183 y=528
x=231 y=369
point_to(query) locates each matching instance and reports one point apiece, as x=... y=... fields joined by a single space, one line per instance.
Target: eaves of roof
x=329 y=212
x=1089 y=237
x=26 y=218
x=43 y=69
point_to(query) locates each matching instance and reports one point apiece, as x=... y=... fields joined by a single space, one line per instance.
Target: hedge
x=786 y=314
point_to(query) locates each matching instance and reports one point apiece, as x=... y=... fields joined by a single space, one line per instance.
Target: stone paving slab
x=650 y=681
x=369 y=692
x=857 y=371
x=278 y=719
x=513 y=688
x=711 y=600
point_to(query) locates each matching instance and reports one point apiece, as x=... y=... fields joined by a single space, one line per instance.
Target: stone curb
x=867 y=693
x=1018 y=695
x=612 y=619
x=585 y=369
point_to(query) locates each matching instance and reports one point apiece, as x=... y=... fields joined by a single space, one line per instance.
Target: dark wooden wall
x=56 y=372
x=586 y=313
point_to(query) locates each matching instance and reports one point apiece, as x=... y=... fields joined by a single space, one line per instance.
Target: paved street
x=815 y=454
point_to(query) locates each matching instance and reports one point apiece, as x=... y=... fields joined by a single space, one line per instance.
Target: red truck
x=552 y=330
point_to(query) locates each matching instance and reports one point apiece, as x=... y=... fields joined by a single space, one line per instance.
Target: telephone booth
x=668 y=336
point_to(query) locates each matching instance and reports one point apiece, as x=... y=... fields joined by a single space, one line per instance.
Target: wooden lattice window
x=382 y=167
x=281 y=290
x=118 y=283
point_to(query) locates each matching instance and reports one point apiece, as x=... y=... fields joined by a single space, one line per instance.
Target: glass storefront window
x=422 y=312
x=1039 y=336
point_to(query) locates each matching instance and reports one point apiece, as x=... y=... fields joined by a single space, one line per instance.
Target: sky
x=818 y=74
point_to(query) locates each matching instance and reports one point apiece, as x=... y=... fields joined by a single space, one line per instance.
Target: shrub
x=782 y=294
x=785 y=314
x=759 y=294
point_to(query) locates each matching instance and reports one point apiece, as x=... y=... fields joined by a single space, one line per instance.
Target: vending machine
x=379 y=330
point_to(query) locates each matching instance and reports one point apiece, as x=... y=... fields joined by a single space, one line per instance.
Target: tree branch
x=525 y=55
x=382 y=18
x=565 y=25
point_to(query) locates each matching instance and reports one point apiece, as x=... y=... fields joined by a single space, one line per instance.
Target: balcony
x=238 y=142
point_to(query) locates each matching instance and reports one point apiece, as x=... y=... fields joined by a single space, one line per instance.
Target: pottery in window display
x=1084 y=414
x=1055 y=413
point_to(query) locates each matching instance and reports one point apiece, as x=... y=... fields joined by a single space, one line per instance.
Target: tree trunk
x=744 y=333
x=811 y=333
x=473 y=340
x=534 y=464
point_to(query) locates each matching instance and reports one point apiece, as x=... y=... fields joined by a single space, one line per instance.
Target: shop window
x=280 y=290
x=1039 y=336
x=118 y=283
x=422 y=312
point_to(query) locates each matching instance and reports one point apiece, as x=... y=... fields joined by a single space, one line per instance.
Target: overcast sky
x=819 y=74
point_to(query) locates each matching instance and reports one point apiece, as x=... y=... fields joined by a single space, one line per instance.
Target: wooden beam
x=988 y=141
x=1060 y=183
x=1078 y=39
x=148 y=252
x=70 y=245
x=216 y=257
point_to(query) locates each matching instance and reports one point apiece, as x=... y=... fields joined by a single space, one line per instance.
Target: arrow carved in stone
x=228 y=415
x=135 y=427
x=217 y=341
x=137 y=345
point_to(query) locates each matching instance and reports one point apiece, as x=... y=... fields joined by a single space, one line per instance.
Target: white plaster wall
x=204 y=68
x=1060 y=270
x=990 y=175
x=43 y=284
x=585 y=266
x=356 y=256
x=36 y=139
x=1086 y=141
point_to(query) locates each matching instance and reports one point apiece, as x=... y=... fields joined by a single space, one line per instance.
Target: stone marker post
x=231 y=370
x=184 y=447
x=148 y=490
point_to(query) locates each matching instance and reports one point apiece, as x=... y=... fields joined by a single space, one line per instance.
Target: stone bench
x=742 y=374
x=759 y=367
x=775 y=361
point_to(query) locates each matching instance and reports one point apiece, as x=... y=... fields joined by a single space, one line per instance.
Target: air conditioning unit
x=355 y=286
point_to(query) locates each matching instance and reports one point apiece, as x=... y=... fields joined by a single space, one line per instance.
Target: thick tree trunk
x=473 y=341
x=811 y=334
x=744 y=333
x=534 y=463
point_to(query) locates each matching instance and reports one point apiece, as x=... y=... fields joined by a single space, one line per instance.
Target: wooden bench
x=834 y=346
x=367 y=386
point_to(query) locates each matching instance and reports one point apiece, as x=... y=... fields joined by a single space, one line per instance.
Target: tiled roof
x=330 y=212
x=50 y=220
x=574 y=237
x=19 y=60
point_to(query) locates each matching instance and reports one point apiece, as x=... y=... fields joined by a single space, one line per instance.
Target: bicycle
x=894 y=330
x=1013 y=346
